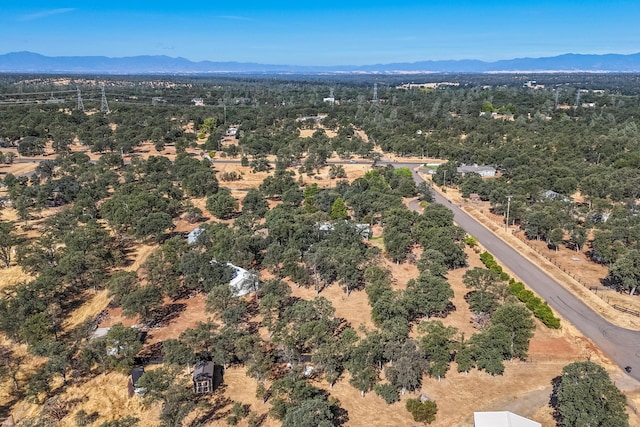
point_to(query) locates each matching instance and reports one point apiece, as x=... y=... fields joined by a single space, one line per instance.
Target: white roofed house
x=552 y=195
x=243 y=281
x=502 y=419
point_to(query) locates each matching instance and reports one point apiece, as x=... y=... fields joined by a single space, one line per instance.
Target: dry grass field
x=524 y=388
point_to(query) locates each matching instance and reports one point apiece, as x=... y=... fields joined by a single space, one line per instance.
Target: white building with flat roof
x=502 y=419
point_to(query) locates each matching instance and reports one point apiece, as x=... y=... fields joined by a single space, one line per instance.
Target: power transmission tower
x=375 y=93
x=578 y=98
x=80 y=103
x=104 y=106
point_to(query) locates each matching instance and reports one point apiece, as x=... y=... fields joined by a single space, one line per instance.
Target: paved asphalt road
x=621 y=345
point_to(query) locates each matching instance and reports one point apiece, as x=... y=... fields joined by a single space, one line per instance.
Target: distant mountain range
x=28 y=62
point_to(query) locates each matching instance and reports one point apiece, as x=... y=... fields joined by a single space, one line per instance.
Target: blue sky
x=315 y=32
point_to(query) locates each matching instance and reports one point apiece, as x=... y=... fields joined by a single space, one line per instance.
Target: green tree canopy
x=584 y=395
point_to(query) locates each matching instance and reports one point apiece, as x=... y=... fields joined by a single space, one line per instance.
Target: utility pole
x=506 y=223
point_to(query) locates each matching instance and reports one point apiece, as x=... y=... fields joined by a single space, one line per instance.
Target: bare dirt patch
x=307 y=133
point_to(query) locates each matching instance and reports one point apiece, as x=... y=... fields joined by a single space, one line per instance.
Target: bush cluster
x=539 y=308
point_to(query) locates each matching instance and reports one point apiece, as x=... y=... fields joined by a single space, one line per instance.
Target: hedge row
x=491 y=264
x=539 y=308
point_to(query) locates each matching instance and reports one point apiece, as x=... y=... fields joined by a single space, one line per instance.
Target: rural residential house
x=242 y=281
x=483 y=171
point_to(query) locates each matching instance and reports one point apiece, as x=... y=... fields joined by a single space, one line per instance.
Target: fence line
x=626 y=310
x=593 y=289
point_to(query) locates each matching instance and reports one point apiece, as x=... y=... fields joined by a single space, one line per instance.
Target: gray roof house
x=136 y=374
x=203 y=378
x=483 y=171
x=192 y=237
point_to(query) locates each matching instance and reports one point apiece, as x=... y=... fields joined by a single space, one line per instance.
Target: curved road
x=619 y=344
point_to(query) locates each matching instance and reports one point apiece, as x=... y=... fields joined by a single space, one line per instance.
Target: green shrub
x=388 y=392
x=539 y=308
x=515 y=287
x=533 y=304
x=486 y=257
x=471 y=241
x=423 y=412
x=525 y=295
x=545 y=314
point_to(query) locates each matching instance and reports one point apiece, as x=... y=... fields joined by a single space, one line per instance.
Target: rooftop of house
x=502 y=419
x=475 y=168
x=203 y=370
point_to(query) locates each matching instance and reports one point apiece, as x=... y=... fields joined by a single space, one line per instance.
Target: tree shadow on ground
x=213 y=412
x=162 y=316
x=553 y=398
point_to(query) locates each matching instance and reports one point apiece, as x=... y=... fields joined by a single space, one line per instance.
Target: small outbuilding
x=136 y=374
x=203 y=378
x=192 y=237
